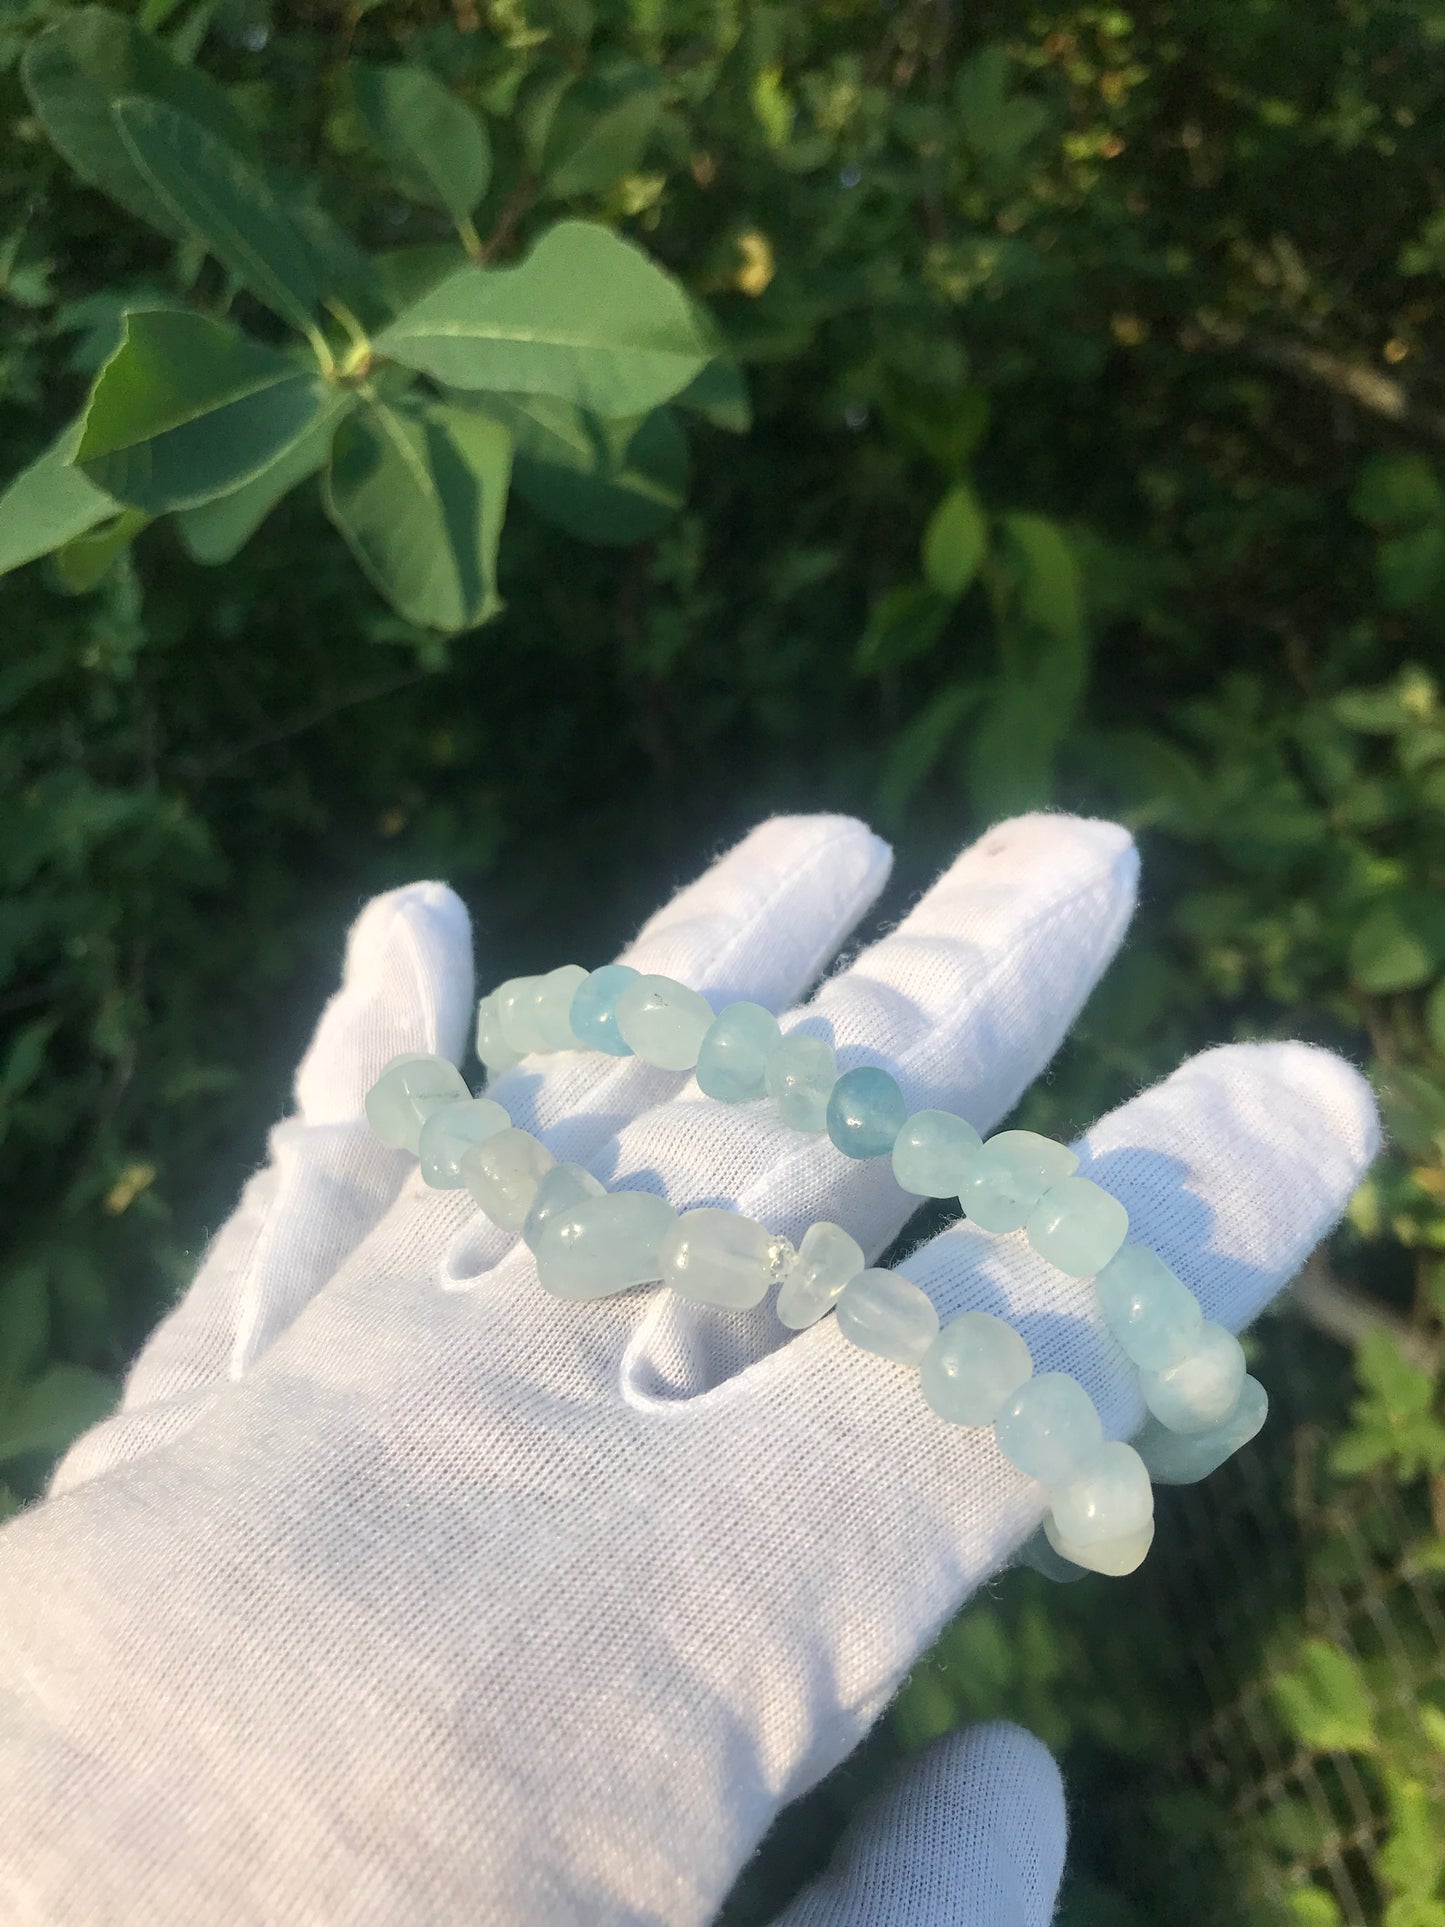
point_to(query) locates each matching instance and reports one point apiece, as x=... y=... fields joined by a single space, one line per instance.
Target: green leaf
x=994 y=124
x=1383 y=1369
x=75 y=72
x=1435 y=1016
x=219 y=529
x=598 y=130
x=587 y=317
x=614 y=482
x=1398 y=492
x=1411 y=567
x=1325 y=1702
x=49 y=1413
x=49 y=504
x=187 y=408
x=955 y=541
x=720 y=395
x=914 y=752
x=1047 y=590
x=419 y=493
x=1401 y=943
x=227 y=205
x=903 y=624
x=81 y=564
x=437 y=147
x=24 y=1323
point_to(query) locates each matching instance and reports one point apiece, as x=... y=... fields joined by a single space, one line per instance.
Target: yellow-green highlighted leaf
x=419 y=491
x=587 y=317
x=49 y=504
x=226 y=204
x=188 y=408
x=955 y=541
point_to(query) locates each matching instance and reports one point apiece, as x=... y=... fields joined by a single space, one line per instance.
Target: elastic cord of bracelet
x=589 y=1243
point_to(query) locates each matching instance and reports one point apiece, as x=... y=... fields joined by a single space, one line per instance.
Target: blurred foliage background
x=1097 y=454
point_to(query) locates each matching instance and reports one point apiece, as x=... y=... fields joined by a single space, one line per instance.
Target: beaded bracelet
x=589 y=1243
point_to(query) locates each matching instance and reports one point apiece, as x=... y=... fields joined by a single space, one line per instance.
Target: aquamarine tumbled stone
x=1113 y=1557
x=503 y=1173
x=1154 y=1316
x=1049 y=1428
x=557 y=1190
x=602 y=1245
x=882 y=1312
x=552 y=1006
x=1179 y=1458
x=826 y=1261
x=516 y=1001
x=1077 y=1226
x=410 y=1088
x=1201 y=1390
x=1008 y=1177
x=718 y=1257
x=973 y=1368
x=593 y=1012
x=933 y=1152
x=492 y=1047
x=664 y=1021
x=1040 y=1555
x=732 y=1061
x=800 y=1076
x=865 y=1112
x=449 y=1133
x=1110 y=1498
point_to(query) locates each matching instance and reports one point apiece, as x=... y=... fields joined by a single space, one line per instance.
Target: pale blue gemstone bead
x=503 y=1173
x=664 y=1022
x=826 y=1261
x=516 y=1007
x=452 y=1131
x=492 y=1047
x=1110 y=1498
x=1008 y=1177
x=800 y=1077
x=733 y=1058
x=718 y=1257
x=1178 y=1458
x=865 y=1112
x=593 y=1012
x=410 y=1088
x=1049 y=1428
x=973 y=1368
x=1201 y=1390
x=1040 y=1555
x=882 y=1312
x=1154 y=1316
x=1112 y=1557
x=933 y=1152
x=558 y=1190
x=1077 y=1226
x=552 y=1006
x=604 y=1245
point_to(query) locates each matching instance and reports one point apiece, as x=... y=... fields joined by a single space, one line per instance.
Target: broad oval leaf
x=50 y=503
x=83 y=563
x=226 y=204
x=188 y=408
x=438 y=148
x=1400 y=944
x=75 y=72
x=587 y=317
x=602 y=481
x=219 y=529
x=419 y=492
x=954 y=542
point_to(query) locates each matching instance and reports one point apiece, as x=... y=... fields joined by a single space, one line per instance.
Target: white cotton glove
x=401 y=1592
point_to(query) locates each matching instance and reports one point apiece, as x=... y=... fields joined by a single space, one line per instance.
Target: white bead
x=881 y=1312
x=1113 y=1557
x=718 y=1257
x=1203 y=1388
x=503 y=1175
x=1110 y=1498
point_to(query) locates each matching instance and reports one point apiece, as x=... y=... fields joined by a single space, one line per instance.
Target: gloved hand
x=398 y=1591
